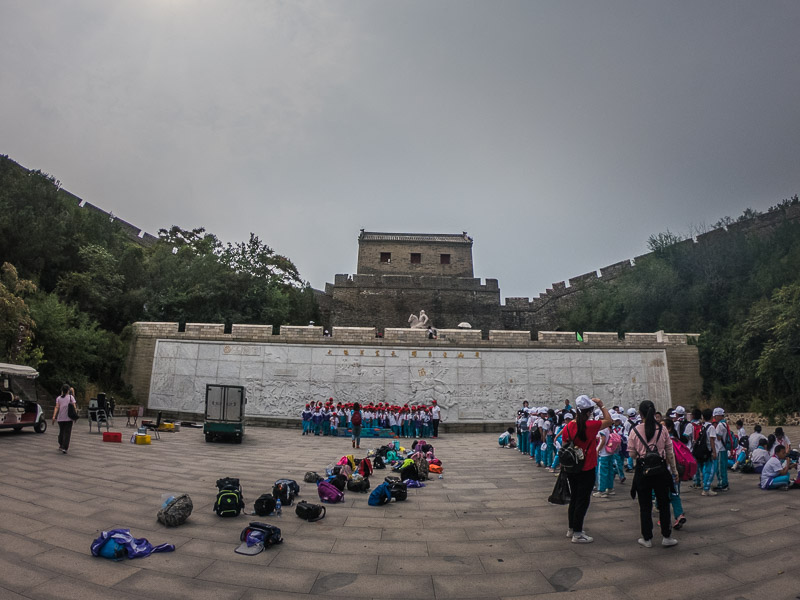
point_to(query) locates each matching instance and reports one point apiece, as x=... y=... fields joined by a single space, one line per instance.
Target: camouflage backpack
x=175 y=511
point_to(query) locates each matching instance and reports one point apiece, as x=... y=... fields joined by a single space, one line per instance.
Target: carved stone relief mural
x=469 y=385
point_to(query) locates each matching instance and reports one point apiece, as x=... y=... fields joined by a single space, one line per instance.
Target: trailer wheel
x=41 y=426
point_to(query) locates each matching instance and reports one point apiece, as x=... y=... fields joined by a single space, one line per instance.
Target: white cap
x=584 y=402
x=718 y=412
x=631 y=412
x=543 y=409
x=568 y=415
x=679 y=410
x=615 y=416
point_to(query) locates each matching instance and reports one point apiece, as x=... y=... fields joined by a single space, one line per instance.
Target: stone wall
x=386 y=301
x=477 y=380
x=430 y=247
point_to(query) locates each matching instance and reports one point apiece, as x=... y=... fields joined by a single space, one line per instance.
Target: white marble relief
x=488 y=385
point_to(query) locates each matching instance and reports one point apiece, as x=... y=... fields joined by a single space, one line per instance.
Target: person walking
x=651 y=447
x=583 y=433
x=355 y=421
x=61 y=414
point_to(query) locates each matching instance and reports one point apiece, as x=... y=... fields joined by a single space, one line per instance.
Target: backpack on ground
x=399 y=491
x=229 y=502
x=409 y=471
x=423 y=468
x=272 y=535
x=365 y=467
x=687 y=465
x=380 y=495
x=700 y=450
x=378 y=463
x=311 y=477
x=413 y=483
x=175 y=511
x=436 y=469
x=358 y=484
x=653 y=465
x=284 y=492
x=328 y=493
x=265 y=505
x=338 y=481
x=309 y=512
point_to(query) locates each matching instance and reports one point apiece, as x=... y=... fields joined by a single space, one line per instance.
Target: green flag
x=578 y=336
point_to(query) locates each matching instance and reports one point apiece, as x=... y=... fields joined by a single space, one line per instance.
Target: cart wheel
x=41 y=426
x=209 y=437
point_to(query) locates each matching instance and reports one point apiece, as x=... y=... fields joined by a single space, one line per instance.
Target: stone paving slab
x=483 y=531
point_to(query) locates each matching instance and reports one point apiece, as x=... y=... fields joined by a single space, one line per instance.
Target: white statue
x=420 y=322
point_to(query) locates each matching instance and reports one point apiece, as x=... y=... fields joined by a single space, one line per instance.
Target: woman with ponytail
x=583 y=433
x=651 y=476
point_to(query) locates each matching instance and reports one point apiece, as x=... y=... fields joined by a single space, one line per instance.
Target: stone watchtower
x=402 y=273
x=445 y=254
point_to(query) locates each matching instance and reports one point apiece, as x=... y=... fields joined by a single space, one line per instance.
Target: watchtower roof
x=446 y=238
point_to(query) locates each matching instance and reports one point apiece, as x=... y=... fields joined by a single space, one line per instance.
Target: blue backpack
x=380 y=495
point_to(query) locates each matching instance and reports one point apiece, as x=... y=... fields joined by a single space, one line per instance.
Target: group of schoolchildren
x=404 y=421
x=700 y=447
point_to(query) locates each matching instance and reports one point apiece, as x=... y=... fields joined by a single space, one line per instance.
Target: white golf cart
x=17 y=409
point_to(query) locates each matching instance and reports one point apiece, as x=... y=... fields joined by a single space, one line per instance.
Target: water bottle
x=278 y=508
x=441 y=476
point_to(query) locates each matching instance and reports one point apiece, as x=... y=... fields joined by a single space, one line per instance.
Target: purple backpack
x=328 y=493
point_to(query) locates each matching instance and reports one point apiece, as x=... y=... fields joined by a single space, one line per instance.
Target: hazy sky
x=560 y=134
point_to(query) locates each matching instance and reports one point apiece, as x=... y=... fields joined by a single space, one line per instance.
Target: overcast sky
x=559 y=134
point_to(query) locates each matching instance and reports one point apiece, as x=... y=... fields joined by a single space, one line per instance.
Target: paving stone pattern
x=484 y=531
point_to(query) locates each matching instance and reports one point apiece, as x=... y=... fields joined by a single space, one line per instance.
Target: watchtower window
x=386 y=257
x=444 y=259
x=416 y=258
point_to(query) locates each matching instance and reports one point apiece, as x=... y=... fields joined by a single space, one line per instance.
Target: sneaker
x=611 y=493
x=600 y=495
x=694 y=486
x=721 y=488
x=708 y=493
x=679 y=522
x=669 y=541
x=549 y=470
x=580 y=537
x=645 y=543
x=623 y=480
x=570 y=533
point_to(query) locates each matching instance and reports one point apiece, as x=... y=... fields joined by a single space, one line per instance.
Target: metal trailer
x=224 y=412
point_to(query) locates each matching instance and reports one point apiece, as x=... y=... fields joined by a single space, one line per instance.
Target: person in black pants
x=435 y=416
x=651 y=476
x=583 y=433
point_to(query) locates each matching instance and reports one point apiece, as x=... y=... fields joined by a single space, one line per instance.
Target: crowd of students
x=405 y=421
x=660 y=452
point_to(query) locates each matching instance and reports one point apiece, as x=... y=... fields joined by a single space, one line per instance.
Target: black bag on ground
x=409 y=472
x=561 y=493
x=358 y=485
x=312 y=477
x=176 y=511
x=378 y=463
x=309 y=512
x=265 y=505
x=229 y=502
x=399 y=491
x=391 y=480
x=272 y=535
x=339 y=482
x=283 y=491
x=228 y=482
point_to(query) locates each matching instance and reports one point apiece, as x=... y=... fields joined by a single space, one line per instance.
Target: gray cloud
x=559 y=134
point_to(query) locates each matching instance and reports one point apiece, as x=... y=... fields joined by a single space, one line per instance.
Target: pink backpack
x=328 y=493
x=684 y=458
x=614 y=441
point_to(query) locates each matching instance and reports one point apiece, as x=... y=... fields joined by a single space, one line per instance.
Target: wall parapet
x=353 y=334
x=413 y=282
x=460 y=336
x=397 y=334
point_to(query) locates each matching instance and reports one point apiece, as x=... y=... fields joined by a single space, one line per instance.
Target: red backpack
x=365 y=467
x=356 y=418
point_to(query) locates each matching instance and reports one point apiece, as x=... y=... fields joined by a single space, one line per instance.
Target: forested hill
x=741 y=292
x=72 y=280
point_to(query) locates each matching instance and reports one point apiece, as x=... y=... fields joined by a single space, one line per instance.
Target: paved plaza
x=483 y=531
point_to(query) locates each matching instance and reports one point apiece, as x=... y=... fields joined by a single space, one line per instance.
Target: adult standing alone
x=583 y=433
x=651 y=476
x=436 y=415
x=61 y=414
x=355 y=422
